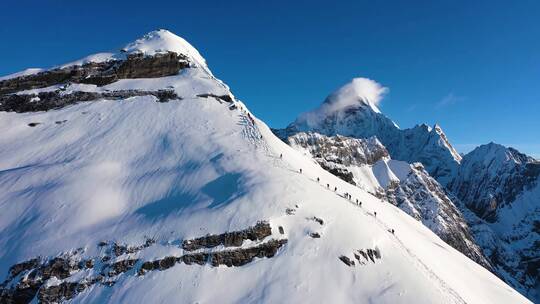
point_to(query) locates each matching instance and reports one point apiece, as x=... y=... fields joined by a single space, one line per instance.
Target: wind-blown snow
x=359 y=91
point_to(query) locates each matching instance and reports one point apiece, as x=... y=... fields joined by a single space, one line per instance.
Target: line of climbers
x=346 y=195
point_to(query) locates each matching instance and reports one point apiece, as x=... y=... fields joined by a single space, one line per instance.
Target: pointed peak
x=162 y=41
x=358 y=92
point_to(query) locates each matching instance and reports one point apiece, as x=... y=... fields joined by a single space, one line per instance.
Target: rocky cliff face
x=366 y=163
x=100 y=73
x=52 y=89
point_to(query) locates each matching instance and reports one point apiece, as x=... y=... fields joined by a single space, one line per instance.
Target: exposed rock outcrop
x=242 y=256
x=30 y=278
x=45 y=101
x=229 y=239
x=225 y=98
x=100 y=73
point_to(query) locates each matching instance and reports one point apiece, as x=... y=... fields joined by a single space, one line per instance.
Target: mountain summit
x=352 y=111
x=139 y=178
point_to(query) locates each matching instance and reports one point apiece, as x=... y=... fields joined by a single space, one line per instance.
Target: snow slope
x=366 y=164
x=127 y=169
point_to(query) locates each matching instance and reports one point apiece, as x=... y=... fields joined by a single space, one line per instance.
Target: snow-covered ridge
x=160 y=55
x=30 y=71
x=366 y=164
x=155 y=42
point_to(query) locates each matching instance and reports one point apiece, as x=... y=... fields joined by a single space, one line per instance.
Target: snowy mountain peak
x=359 y=95
x=352 y=111
x=358 y=92
x=163 y=41
x=493 y=153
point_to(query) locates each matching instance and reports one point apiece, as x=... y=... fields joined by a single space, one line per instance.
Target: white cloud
x=358 y=91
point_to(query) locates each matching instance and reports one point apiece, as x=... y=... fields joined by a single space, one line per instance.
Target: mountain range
x=488 y=199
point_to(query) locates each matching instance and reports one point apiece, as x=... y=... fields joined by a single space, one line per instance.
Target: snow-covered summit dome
x=162 y=41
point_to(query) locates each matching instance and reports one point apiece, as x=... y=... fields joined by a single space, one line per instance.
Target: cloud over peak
x=358 y=92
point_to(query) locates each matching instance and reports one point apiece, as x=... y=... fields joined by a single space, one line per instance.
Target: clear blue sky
x=471 y=66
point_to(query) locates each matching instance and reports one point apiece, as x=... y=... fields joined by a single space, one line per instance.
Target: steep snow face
x=351 y=111
x=366 y=164
x=105 y=200
x=501 y=186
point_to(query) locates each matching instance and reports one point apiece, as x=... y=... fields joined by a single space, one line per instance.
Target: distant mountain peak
x=359 y=94
x=352 y=111
x=493 y=151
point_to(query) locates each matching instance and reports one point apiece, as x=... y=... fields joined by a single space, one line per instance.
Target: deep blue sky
x=471 y=66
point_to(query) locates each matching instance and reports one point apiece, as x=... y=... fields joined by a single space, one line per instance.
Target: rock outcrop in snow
x=31 y=278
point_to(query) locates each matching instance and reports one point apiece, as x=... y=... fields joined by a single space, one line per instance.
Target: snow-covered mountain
x=137 y=177
x=493 y=192
x=352 y=111
x=367 y=164
x=502 y=187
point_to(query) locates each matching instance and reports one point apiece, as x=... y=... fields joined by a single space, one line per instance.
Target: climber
x=300 y=170
x=375 y=214
x=281 y=156
x=357 y=201
x=328 y=186
x=392 y=231
x=335 y=189
x=318 y=179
